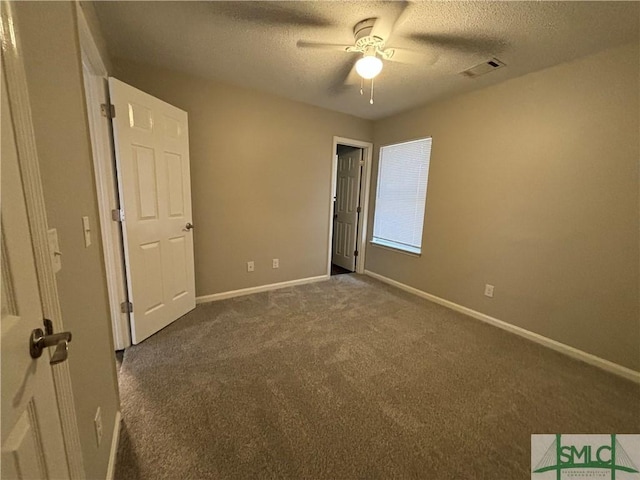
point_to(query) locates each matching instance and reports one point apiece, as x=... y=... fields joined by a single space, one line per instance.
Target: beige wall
x=51 y=51
x=533 y=188
x=260 y=174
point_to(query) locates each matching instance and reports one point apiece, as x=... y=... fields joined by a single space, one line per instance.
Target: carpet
x=351 y=378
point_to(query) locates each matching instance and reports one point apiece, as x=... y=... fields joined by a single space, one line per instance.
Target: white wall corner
x=572 y=352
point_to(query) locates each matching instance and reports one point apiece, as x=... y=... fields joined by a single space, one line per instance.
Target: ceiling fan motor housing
x=365 y=42
x=363 y=28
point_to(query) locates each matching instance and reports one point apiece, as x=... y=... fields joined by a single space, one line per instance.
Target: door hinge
x=126 y=307
x=117 y=215
x=108 y=111
x=355 y=254
x=359 y=209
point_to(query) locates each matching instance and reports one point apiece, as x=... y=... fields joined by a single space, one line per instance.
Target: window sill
x=394 y=249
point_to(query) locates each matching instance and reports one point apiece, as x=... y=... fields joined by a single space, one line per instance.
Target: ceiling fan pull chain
x=371 y=100
x=361 y=85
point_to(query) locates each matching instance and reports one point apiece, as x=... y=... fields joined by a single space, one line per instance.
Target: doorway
x=351 y=170
x=346 y=209
x=141 y=158
x=97 y=94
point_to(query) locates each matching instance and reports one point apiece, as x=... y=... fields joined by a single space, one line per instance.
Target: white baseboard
x=262 y=288
x=542 y=340
x=111 y=467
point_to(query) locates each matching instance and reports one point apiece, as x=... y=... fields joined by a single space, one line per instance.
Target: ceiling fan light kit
x=372 y=49
x=369 y=66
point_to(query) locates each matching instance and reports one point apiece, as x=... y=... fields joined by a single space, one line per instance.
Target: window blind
x=402 y=193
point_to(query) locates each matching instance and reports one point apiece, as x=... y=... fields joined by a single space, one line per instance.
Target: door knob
x=189 y=226
x=39 y=341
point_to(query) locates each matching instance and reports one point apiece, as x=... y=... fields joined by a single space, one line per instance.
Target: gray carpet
x=350 y=378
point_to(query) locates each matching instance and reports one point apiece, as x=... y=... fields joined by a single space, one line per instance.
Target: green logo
x=586 y=455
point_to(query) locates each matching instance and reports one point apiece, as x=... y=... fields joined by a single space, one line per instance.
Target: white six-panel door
x=32 y=442
x=152 y=157
x=346 y=204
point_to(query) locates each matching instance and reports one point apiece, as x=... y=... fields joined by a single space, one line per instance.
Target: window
x=402 y=194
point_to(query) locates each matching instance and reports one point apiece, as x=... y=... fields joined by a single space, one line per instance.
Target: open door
x=152 y=158
x=346 y=208
x=32 y=440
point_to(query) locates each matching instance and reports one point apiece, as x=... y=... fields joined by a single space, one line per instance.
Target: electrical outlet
x=250 y=266
x=488 y=290
x=276 y=263
x=98 y=424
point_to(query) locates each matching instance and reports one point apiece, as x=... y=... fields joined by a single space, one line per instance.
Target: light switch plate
x=54 y=250
x=86 y=227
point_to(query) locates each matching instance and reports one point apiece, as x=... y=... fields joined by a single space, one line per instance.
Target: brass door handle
x=189 y=226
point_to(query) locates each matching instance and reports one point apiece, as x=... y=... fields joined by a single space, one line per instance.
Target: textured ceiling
x=253 y=44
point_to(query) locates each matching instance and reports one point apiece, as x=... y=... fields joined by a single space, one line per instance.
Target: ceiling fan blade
x=412 y=57
x=462 y=44
x=345 y=77
x=270 y=13
x=352 y=77
x=386 y=24
x=323 y=46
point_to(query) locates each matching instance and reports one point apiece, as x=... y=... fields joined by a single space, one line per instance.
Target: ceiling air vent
x=482 y=68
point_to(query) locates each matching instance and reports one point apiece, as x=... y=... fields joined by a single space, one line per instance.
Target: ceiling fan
x=372 y=38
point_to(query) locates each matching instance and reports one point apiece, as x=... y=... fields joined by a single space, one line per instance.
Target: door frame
x=37 y=215
x=365 y=188
x=106 y=189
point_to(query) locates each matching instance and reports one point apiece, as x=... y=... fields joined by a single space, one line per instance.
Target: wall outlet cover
x=488 y=290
